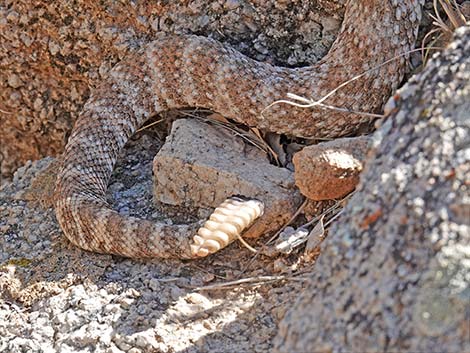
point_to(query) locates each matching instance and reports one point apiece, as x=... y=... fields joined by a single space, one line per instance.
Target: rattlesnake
x=187 y=70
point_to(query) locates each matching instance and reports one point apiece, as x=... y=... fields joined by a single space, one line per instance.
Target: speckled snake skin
x=192 y=71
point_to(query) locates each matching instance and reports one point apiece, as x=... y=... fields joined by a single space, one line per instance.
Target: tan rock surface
x=217 y=165
x=330 y=170
x=52 y=52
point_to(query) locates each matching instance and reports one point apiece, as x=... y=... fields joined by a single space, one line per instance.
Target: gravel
x=57 y=298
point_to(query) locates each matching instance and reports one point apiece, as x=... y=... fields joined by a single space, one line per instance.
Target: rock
x=394 y=273
x=14 y=81
x=201 y=165
x=330 y=170
x=55 y=297
x=56 y=52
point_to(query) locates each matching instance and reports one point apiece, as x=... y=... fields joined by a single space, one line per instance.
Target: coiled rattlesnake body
x=182 y=71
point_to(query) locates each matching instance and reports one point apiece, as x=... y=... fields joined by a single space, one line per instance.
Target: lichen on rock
x=393 y=274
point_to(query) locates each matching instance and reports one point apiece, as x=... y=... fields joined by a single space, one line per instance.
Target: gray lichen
x=394 y=273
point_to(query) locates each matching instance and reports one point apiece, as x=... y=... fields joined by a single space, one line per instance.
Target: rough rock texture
x=55 y=297
x=394 y=273
x=330 y=170
x=217 y=165
x=174 y=72
x=51 y=53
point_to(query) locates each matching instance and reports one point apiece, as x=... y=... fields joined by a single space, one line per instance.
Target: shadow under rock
x=93 y=301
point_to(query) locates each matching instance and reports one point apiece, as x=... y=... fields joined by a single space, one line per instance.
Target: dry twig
x=456 y=19
x=311 y=103
x=251 y=281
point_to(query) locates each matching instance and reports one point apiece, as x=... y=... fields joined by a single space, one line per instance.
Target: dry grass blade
x=218 y=117
x=453 y=12
x=333 y=212
x=250 y=137
x=310 y=102
x=316 y=235
x=438 y=21
x=274 y=155
x=250 y=281
x=456 y=19
x=150 y=125
x=296 y=214
x=425 y=53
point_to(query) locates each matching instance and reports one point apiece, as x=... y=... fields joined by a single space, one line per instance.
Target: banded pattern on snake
x=192 y=71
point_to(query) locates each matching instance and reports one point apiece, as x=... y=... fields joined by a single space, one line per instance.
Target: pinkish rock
x=330 y=170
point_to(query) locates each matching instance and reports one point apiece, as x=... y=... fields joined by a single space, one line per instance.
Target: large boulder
x=52 y=52
x=394 y=272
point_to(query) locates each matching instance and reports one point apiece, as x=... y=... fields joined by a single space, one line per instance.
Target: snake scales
x=182 y=71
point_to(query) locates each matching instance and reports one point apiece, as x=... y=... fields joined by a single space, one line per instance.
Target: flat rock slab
x=200 y=165
x=330 y=170
x=143 y=306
